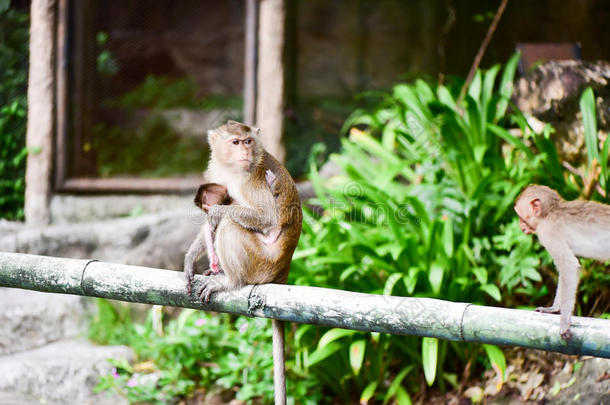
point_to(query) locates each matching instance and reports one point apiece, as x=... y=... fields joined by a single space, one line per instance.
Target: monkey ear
x=211 y=136
x=199 y=196
x=536 y=207
x=255 y=131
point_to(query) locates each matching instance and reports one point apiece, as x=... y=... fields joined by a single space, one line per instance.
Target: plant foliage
x=13 y=109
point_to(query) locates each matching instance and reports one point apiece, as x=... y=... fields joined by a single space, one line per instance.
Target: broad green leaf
x=429 y=351
x=474 y=90
x=448 y=237
x=481 y=274
x=356 y=355
x=391 y=282
x=322 y=353
x=603 y=179
x=436 y=277
x=493 y=291
x=446 y=98
x=497 y=360
x=402 y=397
x=410 y=280
x=513 y=140
x=506 y=85
x=368 y=393
x=395 y=385
x=333 y=335
x=589 y=118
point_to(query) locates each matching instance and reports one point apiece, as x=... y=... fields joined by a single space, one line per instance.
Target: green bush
x=13 y=109
x=197 y=350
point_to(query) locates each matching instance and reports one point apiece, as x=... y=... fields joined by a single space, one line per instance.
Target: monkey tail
x=279 y=370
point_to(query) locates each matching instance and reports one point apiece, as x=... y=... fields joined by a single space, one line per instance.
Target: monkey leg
x=209 y=242
x=568 y=286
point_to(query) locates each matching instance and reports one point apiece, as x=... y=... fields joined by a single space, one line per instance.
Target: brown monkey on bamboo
x=255 y=236
x=566 y=229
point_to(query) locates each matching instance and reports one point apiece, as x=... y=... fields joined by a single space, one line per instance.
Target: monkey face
x=241 y=150
x=236 y=145
x=529 y=217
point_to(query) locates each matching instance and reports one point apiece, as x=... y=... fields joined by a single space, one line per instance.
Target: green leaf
x=506 y=85
x=393 y=388
x=493 y=291
x=448 y=237
x=402 y=397
x=429 y=351
x=368 y=392
x=497 y=360
x=391 y=282
x=589 y=118
x=322 y=353
x=333 y=335
x=436 y=277
x=356 y=355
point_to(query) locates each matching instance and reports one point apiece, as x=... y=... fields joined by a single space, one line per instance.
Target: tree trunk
x=270 y=94
x=39 y=138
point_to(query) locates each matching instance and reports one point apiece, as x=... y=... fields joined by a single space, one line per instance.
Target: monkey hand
x=270 y=177
x=548 y=310
x=565 y=334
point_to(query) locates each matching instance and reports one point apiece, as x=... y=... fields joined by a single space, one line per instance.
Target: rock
x=66 y=208
x=64 y=372
x=551 y=93
x=154 y=240
x=31 y=319
x=590 y=385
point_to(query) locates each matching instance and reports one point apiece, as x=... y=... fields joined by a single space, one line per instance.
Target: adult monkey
x=567 y=230
x=255 y=236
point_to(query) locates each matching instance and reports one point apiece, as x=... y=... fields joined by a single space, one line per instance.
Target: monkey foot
x=566 y=334
x=547 y=310
x=209 y=286
x=190 y=275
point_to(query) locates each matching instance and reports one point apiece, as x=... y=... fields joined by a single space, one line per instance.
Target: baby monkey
x=566 y=229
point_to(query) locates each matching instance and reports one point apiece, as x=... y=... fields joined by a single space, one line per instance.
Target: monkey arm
x=258 y=220
x=194 y=252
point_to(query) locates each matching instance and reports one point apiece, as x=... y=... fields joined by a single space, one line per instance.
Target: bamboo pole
x=311 y=305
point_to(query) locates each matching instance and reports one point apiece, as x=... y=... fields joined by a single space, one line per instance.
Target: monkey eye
x=248 y=141
x=235 y=142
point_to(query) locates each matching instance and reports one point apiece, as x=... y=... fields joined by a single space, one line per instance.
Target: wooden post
x=39 y=137
x=250 y=62
x=270 y=89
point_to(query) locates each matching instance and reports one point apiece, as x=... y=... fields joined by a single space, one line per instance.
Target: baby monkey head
x=236 y=145
x=534 y=204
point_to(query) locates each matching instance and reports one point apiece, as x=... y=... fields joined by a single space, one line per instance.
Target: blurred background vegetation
x=14 y=30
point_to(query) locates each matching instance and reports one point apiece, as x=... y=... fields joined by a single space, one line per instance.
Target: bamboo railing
x=312 y=305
